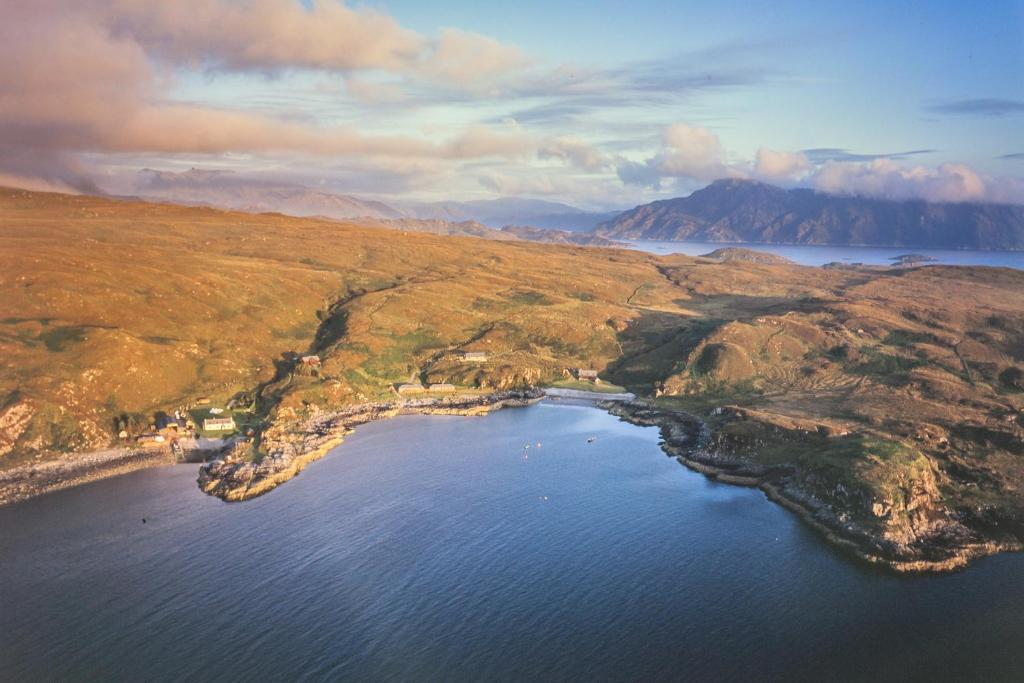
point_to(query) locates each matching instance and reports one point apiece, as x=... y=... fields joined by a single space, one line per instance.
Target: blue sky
x=596 y=103
x=858 y=75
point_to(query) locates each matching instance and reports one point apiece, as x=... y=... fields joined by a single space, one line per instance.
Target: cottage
x=219 y=424
x=405 y=389
x=586 y=375
x=474 y=356
x=441 y=388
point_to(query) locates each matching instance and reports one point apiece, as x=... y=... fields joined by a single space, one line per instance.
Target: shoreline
x=567 y=395
x=684 y=437
x=25 y=482
x=32 y=481
x=290 y=447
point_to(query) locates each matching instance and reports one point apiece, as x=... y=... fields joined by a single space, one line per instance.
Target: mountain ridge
x=747 y=211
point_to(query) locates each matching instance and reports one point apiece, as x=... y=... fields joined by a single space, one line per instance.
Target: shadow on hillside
x=657 y=344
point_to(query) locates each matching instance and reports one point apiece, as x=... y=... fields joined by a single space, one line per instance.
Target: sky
x=599 y=104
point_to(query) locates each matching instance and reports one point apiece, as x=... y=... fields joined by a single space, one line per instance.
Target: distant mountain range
x=504 y=211
x=754 y=212
x=726 y=211
x=508 y=233
x=225 y=189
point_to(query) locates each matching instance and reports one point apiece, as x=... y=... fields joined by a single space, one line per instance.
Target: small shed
x=587 y=375
x=310 y=361
x=474 y=356
x=405 y=389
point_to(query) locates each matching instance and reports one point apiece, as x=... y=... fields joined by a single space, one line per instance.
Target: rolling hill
x=886 y=404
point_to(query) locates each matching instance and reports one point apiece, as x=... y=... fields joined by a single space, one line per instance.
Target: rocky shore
x=21 y=483
x=29 y=481
x=290 y=445
x=948 y=542
x=948 y=546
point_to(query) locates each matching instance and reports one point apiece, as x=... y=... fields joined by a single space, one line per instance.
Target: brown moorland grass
x=907 y=378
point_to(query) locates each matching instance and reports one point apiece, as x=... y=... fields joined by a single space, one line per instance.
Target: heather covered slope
x=890 y=398
x=115 y=307
x=749 y=211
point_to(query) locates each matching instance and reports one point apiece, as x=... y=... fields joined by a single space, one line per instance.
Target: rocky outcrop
x=906 y=527
x=288 y=446
x=740 y=255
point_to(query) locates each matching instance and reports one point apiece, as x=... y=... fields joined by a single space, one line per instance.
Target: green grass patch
x=394 y=362
x=603 y=387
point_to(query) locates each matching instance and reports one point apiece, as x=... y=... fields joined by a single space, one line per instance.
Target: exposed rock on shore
x=737 y=254
x=29 y=481
x=906 y=527
x=287 y=447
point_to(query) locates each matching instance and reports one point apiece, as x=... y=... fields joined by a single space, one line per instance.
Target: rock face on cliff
x=749 y=211
x=893 y=513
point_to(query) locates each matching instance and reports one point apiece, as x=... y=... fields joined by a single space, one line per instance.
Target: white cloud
x=575 y=152
x=687 y=152
x=696 y=154
x=85 y=77
x=888 y=179
x=773 y=165
x=275 y=35
x=469 y=59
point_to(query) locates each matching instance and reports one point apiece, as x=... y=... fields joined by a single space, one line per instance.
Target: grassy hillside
x=119 y=307
x=898 y=392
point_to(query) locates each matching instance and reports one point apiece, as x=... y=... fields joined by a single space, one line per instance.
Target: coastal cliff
x=906 y=528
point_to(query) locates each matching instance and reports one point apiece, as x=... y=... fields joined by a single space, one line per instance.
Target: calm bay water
x=430 y=548
x=814 y=255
